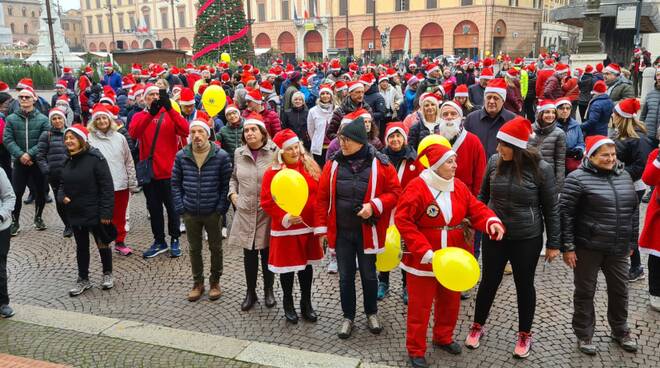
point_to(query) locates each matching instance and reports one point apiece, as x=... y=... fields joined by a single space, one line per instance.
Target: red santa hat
x=4 y=87
x=588 y=69
x=637 y=51
x=394 y=128
x=613 y=68
x=186 y=97
x=149 y=88
x=127 y=82
x=432 y=68
x=27 y=91
x=563 y=101
x=488 y=62
x=437 y=154
x=383 y=77
x=254 y=96
x=599 y=87
x=325 y=88
x=109 y=96
x=266 y=87
x=599 y=67
x=487 y=73
x=24 y=82
x=79 y=130
x=433 y=97
x=562 y=68
x=177 y=89
x=594 y=142
x=67 y=70
x=200 y=123
x=518 y=61
x=137 y=68
x=461 y=91
x=453 y=105
x=548 y=62
x=254 y=119
x=61 y=84
x=512 y=73
x=101 y=109
x=412 y=65
x=64 y=98
x=354 y=115
x=284 y=139
x=546 y=105
x=56 y=111
x=516 y=132
x=334 y=65
x=340 y=85
x=531 y=67
x=497 y=85
x=353 y=85
x=367 y=79
x=628 y=108
x=231 y=108
x=107 y=66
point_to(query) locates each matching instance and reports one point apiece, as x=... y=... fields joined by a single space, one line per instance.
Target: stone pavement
x=42 y=268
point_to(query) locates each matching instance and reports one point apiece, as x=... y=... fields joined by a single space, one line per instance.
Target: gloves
x=165 y=100
x=155 y=107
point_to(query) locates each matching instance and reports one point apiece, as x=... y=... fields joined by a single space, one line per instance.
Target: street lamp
x=172 y=2
x=112 y=27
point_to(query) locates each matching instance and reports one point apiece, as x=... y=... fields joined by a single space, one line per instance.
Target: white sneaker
x=182 y=227
x=654 y=302
x=332 y=265
x=206 y=235
x=127 y=227
x=543 y=251
x=224 y=232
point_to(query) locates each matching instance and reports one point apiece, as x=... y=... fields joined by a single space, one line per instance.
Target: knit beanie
x=356 y=131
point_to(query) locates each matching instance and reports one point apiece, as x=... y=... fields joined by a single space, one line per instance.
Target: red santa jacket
x=429 y=219
x=471 y=160
x=382 y=193
x=143 y=128
x=83 y=83
x=649 y=241
x=541 y=77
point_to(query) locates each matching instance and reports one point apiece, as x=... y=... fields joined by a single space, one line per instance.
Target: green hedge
x=41 y=77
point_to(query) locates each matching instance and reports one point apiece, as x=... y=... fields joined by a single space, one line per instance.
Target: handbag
x=144 y=170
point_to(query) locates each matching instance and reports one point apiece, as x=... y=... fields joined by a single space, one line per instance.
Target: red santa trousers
x=119 y=213
x=422 y=292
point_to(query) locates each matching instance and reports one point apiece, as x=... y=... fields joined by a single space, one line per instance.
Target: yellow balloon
x=430 y=140
x=391 y=257
x=289 y=190
x=175 y=106
x=455 y=268
x=225 y=57
x=214 y=100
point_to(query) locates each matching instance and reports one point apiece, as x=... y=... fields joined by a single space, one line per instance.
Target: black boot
x=307 y=311
x=251 y=264
x=269 y=280
x=289 y=310
x=305 y=280
x=269 y=297
x=250 y=299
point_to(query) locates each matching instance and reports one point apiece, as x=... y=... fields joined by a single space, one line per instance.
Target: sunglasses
x=24 y=97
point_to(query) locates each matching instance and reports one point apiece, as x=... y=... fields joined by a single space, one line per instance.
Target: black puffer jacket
x=633 y=152
x=523 y=206
x=52 y=153
x=347 y=107
x=296 y=120
x=586 y=85
x=87 y=181
x=599 y=210
x=373 y=97
x=551 y=143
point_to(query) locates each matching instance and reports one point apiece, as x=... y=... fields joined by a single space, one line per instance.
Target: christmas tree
x=221 y=27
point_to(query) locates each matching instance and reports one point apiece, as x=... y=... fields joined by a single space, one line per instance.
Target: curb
x=224 y=347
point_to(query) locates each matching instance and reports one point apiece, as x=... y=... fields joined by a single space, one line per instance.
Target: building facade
x=71 y=21
x=22 y=18
x=556 y=36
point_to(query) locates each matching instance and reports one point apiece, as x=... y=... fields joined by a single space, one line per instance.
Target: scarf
x=396 y=156
x=326 y=106
x=200 y=154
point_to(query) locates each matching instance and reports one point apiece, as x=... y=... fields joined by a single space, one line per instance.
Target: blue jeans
x=349 y=245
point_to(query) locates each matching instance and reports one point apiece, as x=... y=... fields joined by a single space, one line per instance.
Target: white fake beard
x=449 y=128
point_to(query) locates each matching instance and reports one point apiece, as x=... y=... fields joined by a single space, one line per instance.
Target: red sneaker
x=523 y=346
x=474 y=336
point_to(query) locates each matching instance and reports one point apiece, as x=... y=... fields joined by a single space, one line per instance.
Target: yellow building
x=72 y=26
x=22 y=17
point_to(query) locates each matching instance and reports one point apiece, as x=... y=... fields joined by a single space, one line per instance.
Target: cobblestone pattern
x=81 y=350
x=42 y=268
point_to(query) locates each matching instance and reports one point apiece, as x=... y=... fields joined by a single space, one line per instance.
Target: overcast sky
x=69 y=4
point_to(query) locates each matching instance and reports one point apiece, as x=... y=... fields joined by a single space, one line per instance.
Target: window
x=88 y=4
x=147 y=20
x=402 y=5
x=131 y=20
x=182 y=16
x=163 y=18
x=10 y=10
x=33 y=15
x=120 y=21
x=285 y=10
x=13 y=30
x=431 y=4
x=130 y=2
x=24 y=12
x=467 y=2
x=98 y=4
x=261 y=12
x=311 y=5
x=65 y=26
x=90 y=29
x=513 y=2
x=25 y=28
x=99 y=23
x=370 y=6
x=343 y=7
x=537 y=4
x=118 y=2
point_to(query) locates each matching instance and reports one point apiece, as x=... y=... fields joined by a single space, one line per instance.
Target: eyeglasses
x=24 y=97
x=564 y=108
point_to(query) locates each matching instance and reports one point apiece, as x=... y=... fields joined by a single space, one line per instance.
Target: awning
x=259 y=52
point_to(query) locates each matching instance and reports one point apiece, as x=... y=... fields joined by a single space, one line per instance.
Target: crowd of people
x=543 y=159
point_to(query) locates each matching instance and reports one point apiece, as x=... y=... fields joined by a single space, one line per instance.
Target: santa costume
x=649 y=241
x=429 y=217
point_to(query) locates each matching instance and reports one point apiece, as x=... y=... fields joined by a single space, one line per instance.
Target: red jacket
x=270 y=118
x=382 y=194
x=514 y=100
x=571 y=89
x=471 y=160
x=649 y=241
x=541 y=77
x=143 y=128
x=420 y=220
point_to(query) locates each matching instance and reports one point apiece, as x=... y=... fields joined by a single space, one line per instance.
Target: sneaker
x=587 y=347
x=49 y=199
x=626 y=342
x=39 y=224
x=182 y=227
x=15 y=228
x=383 y=290
x=81 y=286
x=452 y=348
x=654 y=302
x=345 y=329
x=108 y=282
x=122 y=249
x=523 y=345
x=332 y=265
x=373 y=324
x=405 y=296
x=508 y=269
x=224 y=232
x=636 y=274
x=67 y=233
x=473 y=338
x=155 y=250
x=6 y=311
x=175 y=248
x=29 y=199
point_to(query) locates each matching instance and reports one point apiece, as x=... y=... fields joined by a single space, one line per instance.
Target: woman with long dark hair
x=520 y=187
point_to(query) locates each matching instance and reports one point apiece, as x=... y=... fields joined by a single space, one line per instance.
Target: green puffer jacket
x=22 y=133
x=230 y=138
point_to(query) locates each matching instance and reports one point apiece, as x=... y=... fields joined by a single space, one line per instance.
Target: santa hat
x=512 y=73
x=67 y=70
x=186 y=97
x=488 y=62
x=158 y=70
x=325 y=88
x=383 y=77
x=412 y=80
x=25 y=82
x=430 y=96
x=546 y=105
x=254 y=96
x=177 y=89
x=599 y=87
x=588 y=69
x=136 y=68
x=284 y=139
x=487 y=73
x=353 y=85
x=563 y=101
x=127 y=82
x=613 y=68
x=497 y=85
x=334 y=65
x=628 y=108
x=637 y=51
x=4 y=87
x=420 y=77
x=27 y=91
x=88 y=69
x=101 y=109
x=367 y=79
x=64 y=98
x=79 y=130
x=518 y=61
x=432 y=68
x=437 y=154
x=231 y=108
x=354 y=115
x=137 y=90
x=61 y=84
x=107 y=65
x=516 y=132
x=254 y=119
x=200 y=123
x=412 y=64
x=461 y=91
x=549 y=62
x=394 y=128
x=56 y=111
x=149 y=88
x=454 y=105
x=562 y=68
x=108 y=95
x=599 y=67
x=340 y=85
x=594 y=142
x=531 y=67
x=266 y=87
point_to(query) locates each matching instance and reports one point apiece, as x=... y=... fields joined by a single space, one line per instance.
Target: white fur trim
x=622 y=113
x=656 y=163
x=77 y=132
x=461 y=94
x=428 y=257
x=326 y=89
x=512 y=140
x=187 y=103
x=375 y=250
x=250 y=98
x=611 y=70
x=355 y=86
x=287 y=269
x=487 y=77
x=378 y=203
x=200 y=124
x=416 y=271
x=289 y=142
x=597 y=145
x=442 y=160
x=545 y=107
x=56 y=112
x=649 y=251
x=320 y=230
x=150 y=89
x=301 y=231
x=499 y=91
x=254 y=122
x=454 y=105
x=232 y=108
x=562 y=101
x=106 y=113
x=374 y=184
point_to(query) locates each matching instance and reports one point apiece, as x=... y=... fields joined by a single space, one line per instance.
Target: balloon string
x=307 y=225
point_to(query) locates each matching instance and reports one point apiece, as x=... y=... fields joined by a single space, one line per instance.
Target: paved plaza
x=42 y=268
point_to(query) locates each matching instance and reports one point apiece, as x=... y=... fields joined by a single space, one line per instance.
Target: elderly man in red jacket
x=157 y=130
